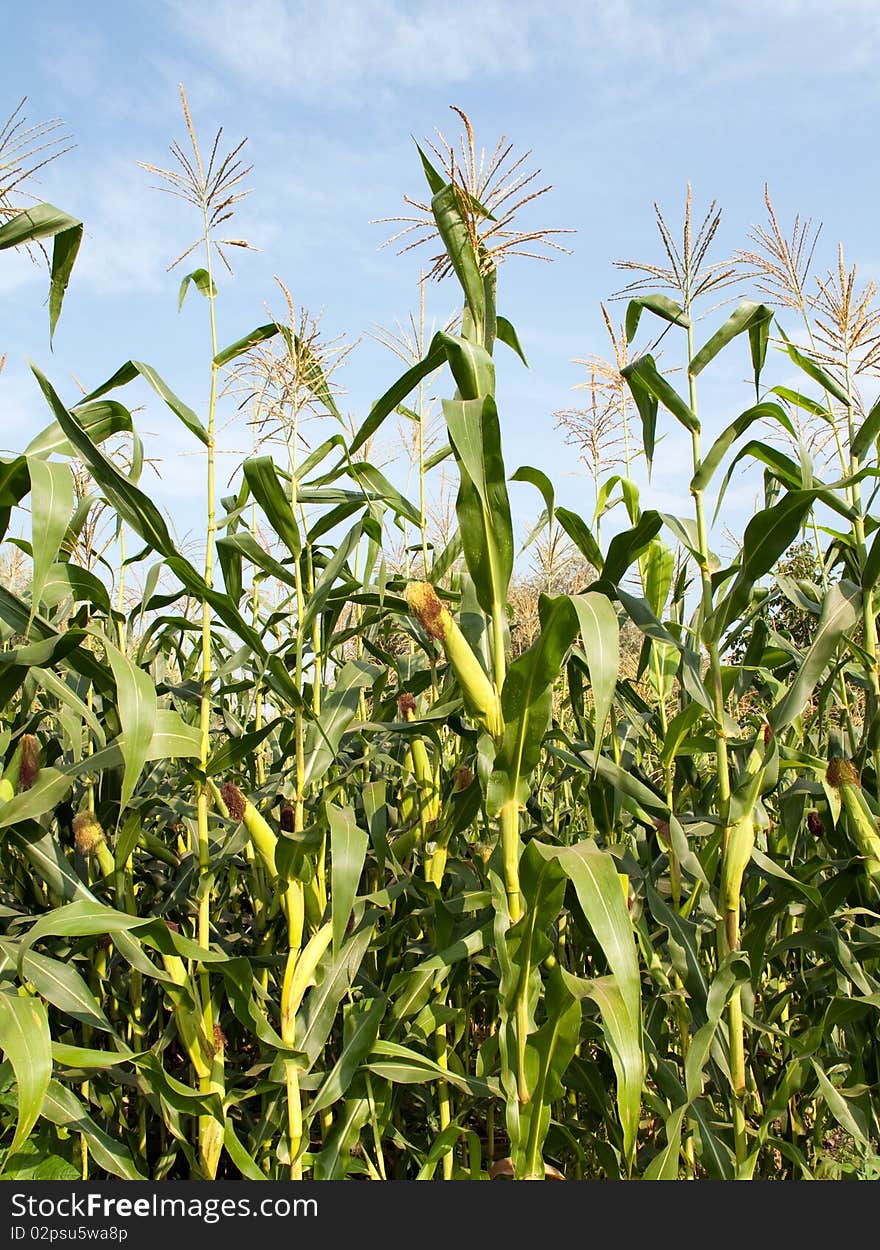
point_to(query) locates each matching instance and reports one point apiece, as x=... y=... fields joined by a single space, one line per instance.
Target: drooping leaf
x=645 y=370
x=42 y=221
x=201 y=280
x=711 y=461
x=136 y=368
x=142 y=515
x=433 y=359
x=748 y=316
x=661 y=305
x=840 y=611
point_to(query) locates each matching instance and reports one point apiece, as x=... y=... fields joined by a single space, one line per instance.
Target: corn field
x=347 y=853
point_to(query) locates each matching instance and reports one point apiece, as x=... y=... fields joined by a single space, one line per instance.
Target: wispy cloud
x=324 y=54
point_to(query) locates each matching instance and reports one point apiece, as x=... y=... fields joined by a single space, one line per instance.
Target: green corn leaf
x=43 y=221
x=767 y=536
x=647 y=405
x=27 y=1044
x=847 y=1117
x=816 y=372
x=548 y=1054
x=526 y=701
x=47 y=860
x=805 y=402
x=14 y=484
x=472 y=367
x=136 y=368
x=242 y=345
x=600 y=635
x=840 y=612
x=593 y=874
x=83 y=918
x=65 y=250
x=334 y=976
x=542 y=483
x=867 y=433
x=202 y=281
x=334 y=568
x=404 y=1066
x=307 y=366
x=661 y=305
x=626 y=547
x=172 y=739
x=664 y=1165
x=51 y=508
x=657 y=566
x=435 y=180
x=348 y=850
x=45 y=794
x=646 y=371
x=441 y=454
x=69 y=580
x=760 y=412
x=361 y=1030
x=61 y=1106
x=483 y=504
x=434 y=358
x=582 y=537
x=136 y=700
x=370 y=478
x=100 y=420
x=749 y=316
x=506 y=334
x=334 y=1161
x=230 y=550
x=238 y=1154
x=871 y=570
x=453 y=231
x=142 y=515
x=62 y=986
x=263 y=482
x=325 y=733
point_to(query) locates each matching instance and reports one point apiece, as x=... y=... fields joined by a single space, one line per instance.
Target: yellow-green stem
x=209 y=1148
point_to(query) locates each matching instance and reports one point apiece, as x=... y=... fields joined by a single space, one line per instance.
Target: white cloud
x=324 y=54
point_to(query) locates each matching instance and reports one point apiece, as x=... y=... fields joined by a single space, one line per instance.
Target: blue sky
x=621 y=101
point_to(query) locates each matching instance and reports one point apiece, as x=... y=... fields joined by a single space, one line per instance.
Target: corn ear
x=740 y=844
x=90 y=839
x=861 y=821
x=23 y=768
x=239 y=808
x=480 y=696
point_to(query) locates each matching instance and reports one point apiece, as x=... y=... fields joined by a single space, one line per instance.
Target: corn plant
x=315 y=865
